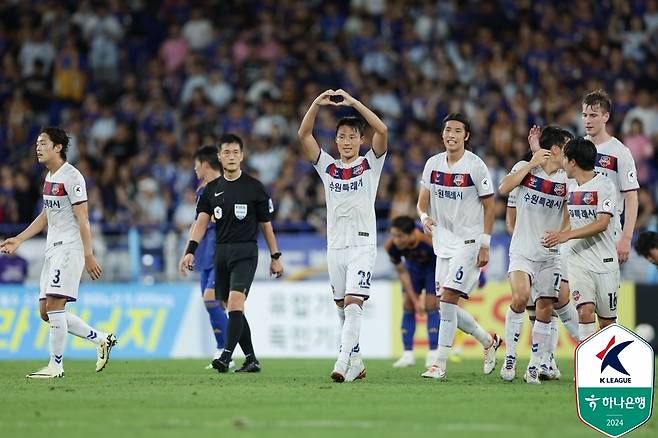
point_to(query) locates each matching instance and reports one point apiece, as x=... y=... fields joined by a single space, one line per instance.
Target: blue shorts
x=423 y=280
x=207 y=279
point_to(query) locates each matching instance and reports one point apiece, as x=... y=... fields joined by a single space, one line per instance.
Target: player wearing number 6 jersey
x=592 y=256
x=456 y=206
x=540 y=190
x=68 y=251
x=350 y=186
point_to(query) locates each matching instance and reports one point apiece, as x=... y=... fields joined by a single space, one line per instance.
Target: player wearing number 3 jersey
x=350 y=185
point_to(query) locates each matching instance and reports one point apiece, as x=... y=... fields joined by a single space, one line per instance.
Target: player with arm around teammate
x=350 y=185
x=68 y=252
x=592 y=256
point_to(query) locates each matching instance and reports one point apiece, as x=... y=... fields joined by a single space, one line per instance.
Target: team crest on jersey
x=459 y=180
x=240 y=211
x=576 y=295
x=560 y=189
x=588 y=198
x=604 y=161
x=532 y=181
x=218 y=213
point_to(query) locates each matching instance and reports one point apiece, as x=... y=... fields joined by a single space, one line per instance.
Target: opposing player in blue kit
x=208 y=168
x=412 y=254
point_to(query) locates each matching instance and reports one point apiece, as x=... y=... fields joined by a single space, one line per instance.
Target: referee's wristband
x=485 y=241
x=191 y=247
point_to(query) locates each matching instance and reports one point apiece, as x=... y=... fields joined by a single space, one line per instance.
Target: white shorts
x=350 y=270
x=459 y=272
x=545 y=276
x=593 y=288
x=61 y=273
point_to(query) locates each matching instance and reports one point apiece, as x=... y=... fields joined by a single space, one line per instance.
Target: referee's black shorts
x=235 y=267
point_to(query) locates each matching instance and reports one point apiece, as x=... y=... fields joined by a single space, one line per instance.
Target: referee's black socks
x=245 y=341
x=234 y=329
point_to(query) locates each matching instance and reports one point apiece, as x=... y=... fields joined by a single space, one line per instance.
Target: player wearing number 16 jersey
x=456 y=206
x=350 y=186
x=592 y=256
x=68 y=252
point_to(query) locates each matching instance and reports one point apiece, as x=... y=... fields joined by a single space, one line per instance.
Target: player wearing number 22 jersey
x=350 y=187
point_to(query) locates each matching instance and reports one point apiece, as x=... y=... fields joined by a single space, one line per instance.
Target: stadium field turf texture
x=290 y=398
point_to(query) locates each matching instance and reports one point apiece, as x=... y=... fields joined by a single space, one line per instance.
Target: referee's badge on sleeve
x=270 y=205
x=240 y=211
x=218 y=213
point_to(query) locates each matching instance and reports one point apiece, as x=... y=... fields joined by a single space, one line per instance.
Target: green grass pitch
x=290 y=398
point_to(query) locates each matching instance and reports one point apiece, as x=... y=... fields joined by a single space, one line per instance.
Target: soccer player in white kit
x=68 y=251
x=592 y=256
x=615 y=161
x=350 y=185
x=540 y=190
x=456 y=206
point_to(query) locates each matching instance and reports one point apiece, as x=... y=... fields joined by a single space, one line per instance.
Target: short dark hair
x=208 y=154
x=553 y=136
x=405 y=224
x=582 y=151
x=598 y=98
x=646 y=241
x=57 y=136
x=353 y=122
x=229 y=138
x=458 y=117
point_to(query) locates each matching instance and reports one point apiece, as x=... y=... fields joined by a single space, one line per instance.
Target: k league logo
x=614 y=381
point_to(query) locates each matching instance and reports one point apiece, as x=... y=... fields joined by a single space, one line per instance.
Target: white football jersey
x=540 y=203
x=61 y=190
x=350 y=191
x=455 y=205
x=614 y=160
x=596 y=253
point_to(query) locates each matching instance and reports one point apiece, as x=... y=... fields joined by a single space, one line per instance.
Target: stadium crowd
x=141 y=85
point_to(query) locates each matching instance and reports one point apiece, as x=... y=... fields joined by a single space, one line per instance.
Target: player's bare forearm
x=510 y=219
x=489 y=206
x=566 y=222
x=423 y=204
x=81 y=214
x=305 y=133
x=630 y=214
x=37 y=226
x=380 y=139
x=513 y=180
x=596 y=227
x=199 y=227
x=270 y=238
x=405 y=281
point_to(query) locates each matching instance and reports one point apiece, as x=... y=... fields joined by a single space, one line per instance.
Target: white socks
x=513 y=327
x=569 y=316
x=541 y=336
x=552 y=343
x=57 y=339
x=468 y=324
x=586 y=330
x=341 y=316
x=447 y=331
x=351 y=330
x=81 y=329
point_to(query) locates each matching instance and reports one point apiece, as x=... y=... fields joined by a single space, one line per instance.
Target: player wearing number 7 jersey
x=68 y=251
x=350 y=186
x=456 y=206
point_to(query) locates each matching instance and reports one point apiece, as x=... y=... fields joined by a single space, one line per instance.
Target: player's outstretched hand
x=347 y=100
x=324 y=98
x=429 y=225
x=533 y=138
x=276 y=268
x=483 y=257
x=186 y=264
x=10 y=245
x=92 y=267
x=553 y=238
x=540 y=157
x=623 y=250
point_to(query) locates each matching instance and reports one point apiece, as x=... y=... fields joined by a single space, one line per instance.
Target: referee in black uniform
x=239 y=203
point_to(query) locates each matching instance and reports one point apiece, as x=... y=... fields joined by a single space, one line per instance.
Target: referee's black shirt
x=238 y=207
